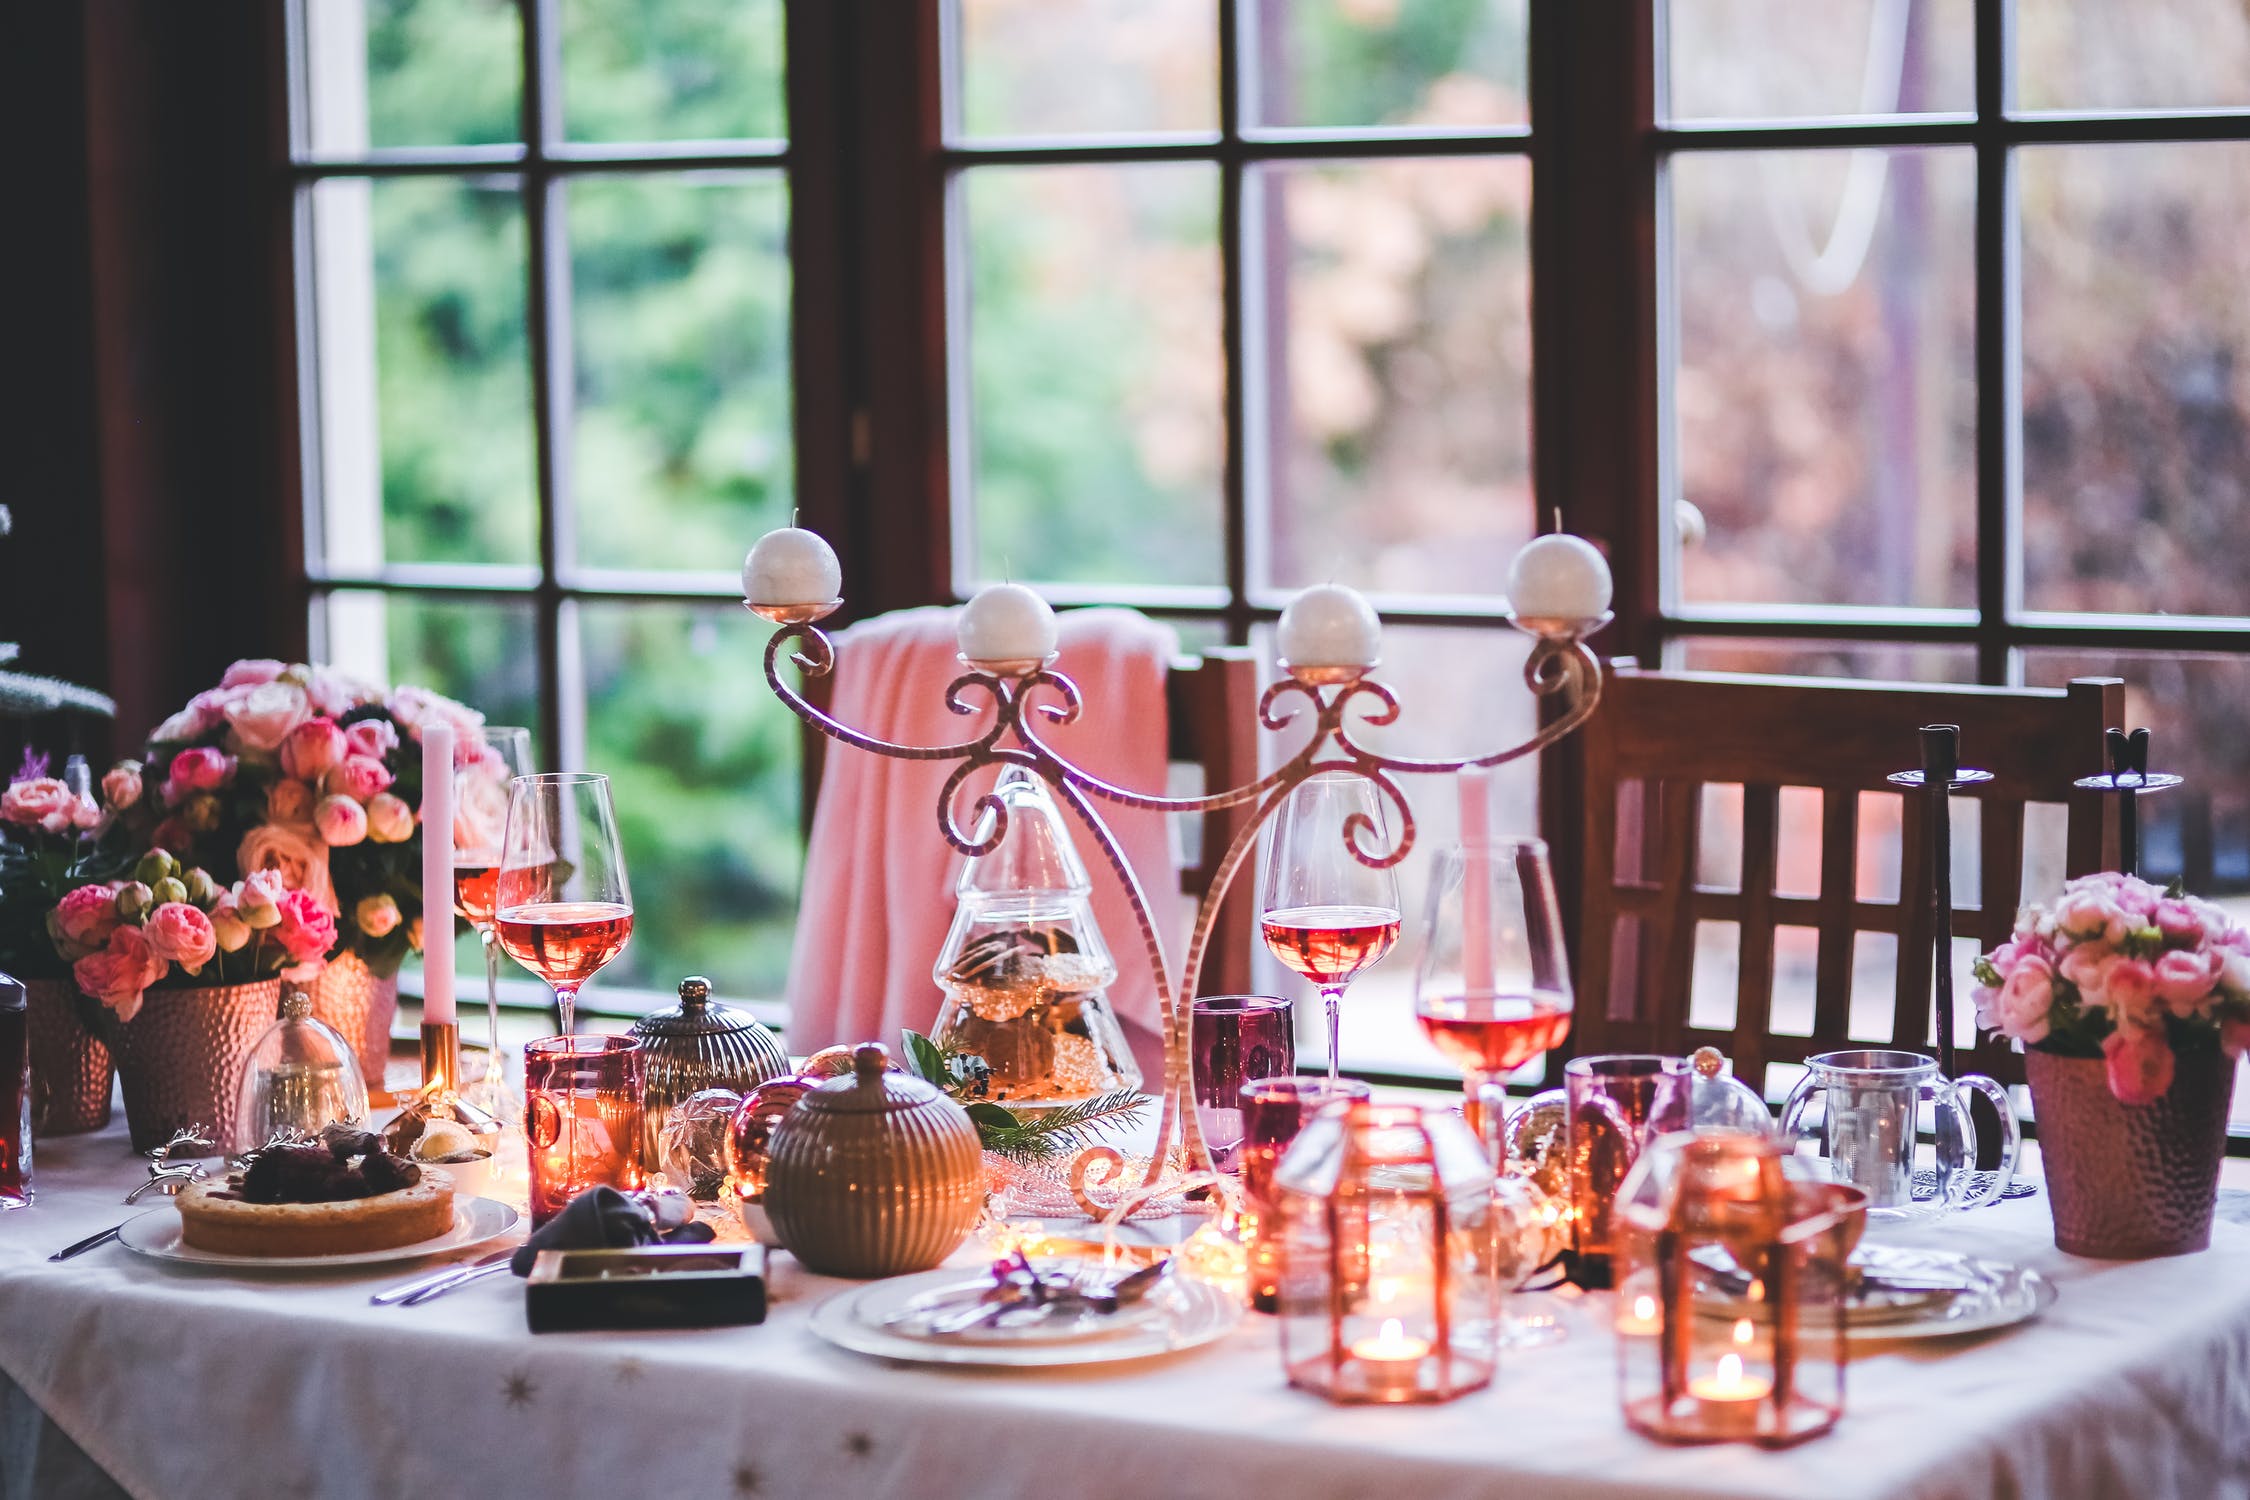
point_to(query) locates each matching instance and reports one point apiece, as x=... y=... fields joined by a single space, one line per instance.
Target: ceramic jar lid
x=872 y=1087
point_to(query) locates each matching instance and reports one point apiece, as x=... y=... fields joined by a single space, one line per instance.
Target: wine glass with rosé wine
x=1327 y=913
x=495 y=756
x=562 y=908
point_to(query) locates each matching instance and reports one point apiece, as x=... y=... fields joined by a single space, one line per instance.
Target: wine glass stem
x=566 y=1007
x=1335 y=1000
x=1474 y=1112
x=492 y=1065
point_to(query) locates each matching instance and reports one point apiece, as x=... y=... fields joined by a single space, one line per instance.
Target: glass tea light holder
x=1731 y=1285
x=1389 y=1288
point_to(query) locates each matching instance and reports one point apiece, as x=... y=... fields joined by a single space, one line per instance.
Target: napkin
x=878 y=889
x=602 y=1218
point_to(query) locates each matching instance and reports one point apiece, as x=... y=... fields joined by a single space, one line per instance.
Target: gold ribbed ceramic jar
x=71 y=1070
x=698 y=1045
x=874 y=1174
x=349 y=997
x=180 y=1057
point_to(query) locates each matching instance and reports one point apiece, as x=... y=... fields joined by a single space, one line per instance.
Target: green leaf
x=923 y=1059
x=990 y=1116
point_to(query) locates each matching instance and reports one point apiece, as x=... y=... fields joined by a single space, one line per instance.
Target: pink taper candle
x=1476 y=881
x=437 y=874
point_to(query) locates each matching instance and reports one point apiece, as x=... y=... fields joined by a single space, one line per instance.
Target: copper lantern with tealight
x=1730 y=1291
x=1389 y=1273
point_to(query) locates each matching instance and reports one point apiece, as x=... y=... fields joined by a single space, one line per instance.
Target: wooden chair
x=1661 y=738
x=1211 y=707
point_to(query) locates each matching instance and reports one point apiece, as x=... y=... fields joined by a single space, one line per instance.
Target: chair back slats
x=1832 y=919
x=1661 y=738
x=1753 y=989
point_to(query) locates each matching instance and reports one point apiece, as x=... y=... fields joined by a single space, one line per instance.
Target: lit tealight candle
x=1391 y=1359
x=1638 y=1316
x=1729 y=1393
x=1559 y=577
x=1329 y=627
x=791 y=566
x=1007 y=624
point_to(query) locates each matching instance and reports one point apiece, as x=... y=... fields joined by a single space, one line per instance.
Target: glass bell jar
x=300 y=1076
x=1024 y=968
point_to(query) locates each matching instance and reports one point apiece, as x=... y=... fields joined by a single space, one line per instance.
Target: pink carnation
x=312 y=748
x=359 y=777
x=2140 y=1064
x=372 y=737
x=117 y=975
x=306 y=932
x=181 y=934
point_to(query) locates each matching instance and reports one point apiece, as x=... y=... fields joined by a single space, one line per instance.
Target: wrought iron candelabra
x=1026 y=694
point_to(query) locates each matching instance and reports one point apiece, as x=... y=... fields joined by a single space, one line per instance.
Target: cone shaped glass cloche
x=1025 y=969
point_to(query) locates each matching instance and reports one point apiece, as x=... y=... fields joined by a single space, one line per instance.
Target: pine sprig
x=1036 y=1138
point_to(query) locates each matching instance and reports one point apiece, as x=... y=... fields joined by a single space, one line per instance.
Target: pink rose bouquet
x=304 y=773
x=2125 y=971
x=122 y=938
x=58 y=833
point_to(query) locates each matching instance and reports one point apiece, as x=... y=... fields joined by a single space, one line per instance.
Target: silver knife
x=405 y=1291
x=473 y=1273
x=88 y=1243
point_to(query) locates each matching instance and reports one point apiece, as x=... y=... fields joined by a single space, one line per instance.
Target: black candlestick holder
x=1941 y=775
x=2127 y=777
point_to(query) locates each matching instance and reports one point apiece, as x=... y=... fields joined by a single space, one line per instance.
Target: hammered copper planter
x=2127 y=1181
x=71 y=1070
x=874 y=1174
x=349 y=997
x=180 y=1058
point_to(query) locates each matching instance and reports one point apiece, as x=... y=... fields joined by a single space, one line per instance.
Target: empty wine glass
x=1492 y=989
x=495 y=755
x=1328 y=913
x=562 y=909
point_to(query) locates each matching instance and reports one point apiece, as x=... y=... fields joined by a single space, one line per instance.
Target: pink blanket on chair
x=878 y=890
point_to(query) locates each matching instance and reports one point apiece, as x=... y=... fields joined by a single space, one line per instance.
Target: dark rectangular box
x=657 y=1286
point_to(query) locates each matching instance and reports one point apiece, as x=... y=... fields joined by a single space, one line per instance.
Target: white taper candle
x=437 y=874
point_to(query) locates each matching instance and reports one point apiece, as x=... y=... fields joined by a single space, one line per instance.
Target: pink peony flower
x=83 y=920
x=121 y=785
x=2021 y=1007
x=258 y=899
x=2180 y=923
x=181 y=934
x=289 y=802
x=2234 y=1035
x=358 y=777
x=262 y=718
x=335 y=693
x=253 y=671
x=374 y=738
x=46 y=804
x=295 y=854
x=2091 y=917
x=2087 y=966
x=341 y=821
x=2184 y=980
x=306 y=932
x=2136 y=898
x=377 y=915
x=415 y=706
x=312 y=747
x=2140 y=1064
x=389 y=819
x=117 y=975
x=204 y=712
x=197 y=769
x=2129 y=990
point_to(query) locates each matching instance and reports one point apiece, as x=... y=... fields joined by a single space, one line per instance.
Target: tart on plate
x=335 y=1196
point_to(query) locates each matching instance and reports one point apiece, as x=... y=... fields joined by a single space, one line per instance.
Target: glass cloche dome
x=301 y=1075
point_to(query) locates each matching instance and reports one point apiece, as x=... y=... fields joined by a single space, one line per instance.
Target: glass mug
x=1868 y=1123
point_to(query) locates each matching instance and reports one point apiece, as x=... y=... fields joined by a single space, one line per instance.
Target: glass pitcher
x=1025 y=970
x=1869 y=1121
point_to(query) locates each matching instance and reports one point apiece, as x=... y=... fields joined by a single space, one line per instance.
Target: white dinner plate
x=2002 y=1296
x=475 y=1220
x=1188 y=1313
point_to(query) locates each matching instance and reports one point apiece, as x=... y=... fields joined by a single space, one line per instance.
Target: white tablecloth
x=192 y=1384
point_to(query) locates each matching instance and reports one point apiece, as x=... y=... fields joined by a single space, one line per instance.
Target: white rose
x=262 y=718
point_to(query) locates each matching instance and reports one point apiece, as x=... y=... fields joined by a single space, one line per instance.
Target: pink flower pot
x=181 y=1057
x=2127 y=1181
x=349 y=997
x=71 y=1070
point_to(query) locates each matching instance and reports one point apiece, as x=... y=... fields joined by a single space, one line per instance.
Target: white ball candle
x=792 y=566
x=1007 y=622
x=1559 y=577
x=1329 y=625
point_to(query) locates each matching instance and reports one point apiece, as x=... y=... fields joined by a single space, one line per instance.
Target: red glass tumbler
x=584 y=1097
